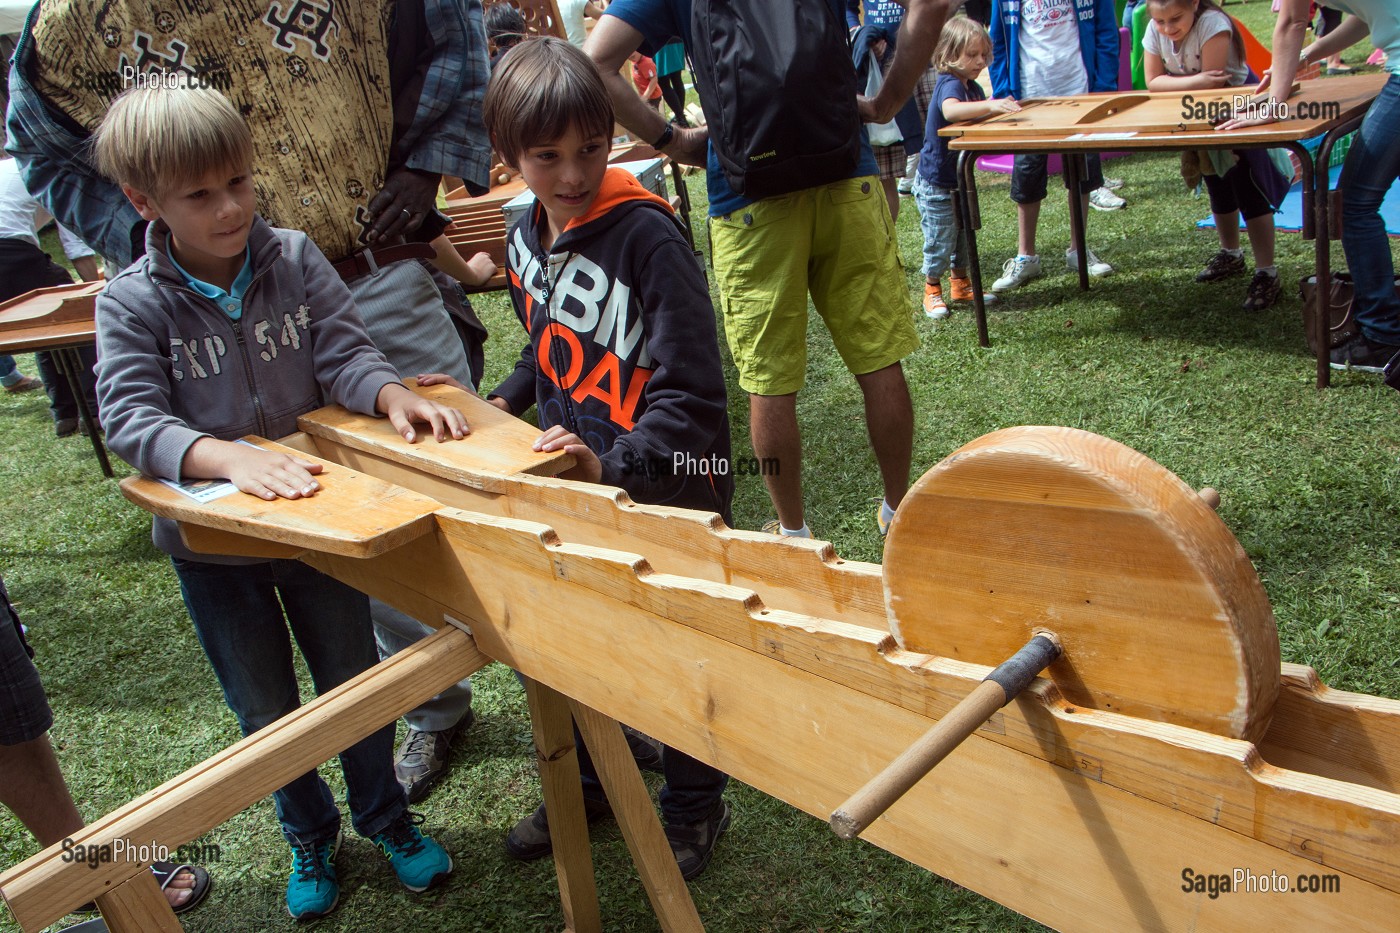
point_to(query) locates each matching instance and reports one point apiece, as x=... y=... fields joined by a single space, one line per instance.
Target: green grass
x=1147 y=357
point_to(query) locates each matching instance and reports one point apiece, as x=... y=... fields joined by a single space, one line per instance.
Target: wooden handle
x=1001 y=687
x=1210 y=497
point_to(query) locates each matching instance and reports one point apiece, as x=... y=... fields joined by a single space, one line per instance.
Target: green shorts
x=836 y=240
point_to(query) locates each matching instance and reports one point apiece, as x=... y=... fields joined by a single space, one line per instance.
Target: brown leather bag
x=1341 y=325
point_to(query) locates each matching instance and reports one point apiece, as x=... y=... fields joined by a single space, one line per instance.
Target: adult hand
x=866 y=107
x=690 y=145
x=402 y=203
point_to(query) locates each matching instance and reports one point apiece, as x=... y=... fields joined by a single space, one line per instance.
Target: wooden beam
x=793 y=574
x=651 y=853
x=557 y=757
x=1219 y=781
x=138 y=905
x=42 y=889
x=987 y=818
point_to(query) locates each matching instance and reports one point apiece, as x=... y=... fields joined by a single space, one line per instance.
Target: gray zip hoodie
x=173 y=367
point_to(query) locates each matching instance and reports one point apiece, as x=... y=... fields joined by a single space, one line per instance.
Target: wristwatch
x=664 y=139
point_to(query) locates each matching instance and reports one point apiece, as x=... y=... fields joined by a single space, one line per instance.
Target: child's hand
x=404 y=407
x=1218 y=77
x=268 y=474
x=482 y=267
x=1004 y=105
x=589 y=468
x=441 y=379
x=500 y=403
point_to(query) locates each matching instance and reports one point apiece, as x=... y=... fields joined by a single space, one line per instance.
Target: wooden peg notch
x=999 y=688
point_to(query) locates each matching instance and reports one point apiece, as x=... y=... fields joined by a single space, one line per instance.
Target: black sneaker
x=529 y=839
x=1264 y=290
x=1363 y=354
x=1221 y=266
x=647 y=752
x=694 y=843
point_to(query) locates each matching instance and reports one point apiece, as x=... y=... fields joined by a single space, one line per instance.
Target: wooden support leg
x=563 y=800
x=138 y=905
x=631 y=803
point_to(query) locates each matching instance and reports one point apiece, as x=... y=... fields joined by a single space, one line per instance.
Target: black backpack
x=778 y=88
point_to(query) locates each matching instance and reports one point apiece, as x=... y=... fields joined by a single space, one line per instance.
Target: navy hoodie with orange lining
x=623 y=350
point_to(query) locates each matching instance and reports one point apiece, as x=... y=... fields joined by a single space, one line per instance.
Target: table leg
x=1075 y=169
x=71 y=363
x=964 y=199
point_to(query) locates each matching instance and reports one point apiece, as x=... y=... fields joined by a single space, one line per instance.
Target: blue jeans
x=9 y=371
x=393 y=632
x=240 y=623
x=944 y=245
x=1371 y=167
x=692 y=789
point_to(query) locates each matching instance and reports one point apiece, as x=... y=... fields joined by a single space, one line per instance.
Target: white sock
x=886 y=513
x=1237 y=252
x=803 y=532
x=1272 y=270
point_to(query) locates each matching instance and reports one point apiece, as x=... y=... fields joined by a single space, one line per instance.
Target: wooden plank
x=794 y=574
x=384 y=516
x=553 y=729
x=497 y=440
x=985 y=819
x=58 y=304
x=651 y=853
x=1158 y=607
x=43 y=888
x=1217 y=780
x=1315 y=108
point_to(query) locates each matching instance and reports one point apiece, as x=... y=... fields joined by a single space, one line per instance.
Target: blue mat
x=1290 y=218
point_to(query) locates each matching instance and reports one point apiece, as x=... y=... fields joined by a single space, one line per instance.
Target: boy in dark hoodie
x=623 y=361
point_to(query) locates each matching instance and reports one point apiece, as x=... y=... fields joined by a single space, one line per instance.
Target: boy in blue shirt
x=228 y=327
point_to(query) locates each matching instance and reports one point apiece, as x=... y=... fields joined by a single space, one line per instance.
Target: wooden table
x=1162 y=122
x=60 y=321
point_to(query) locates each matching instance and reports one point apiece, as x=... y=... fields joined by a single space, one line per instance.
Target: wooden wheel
x=1156 y=604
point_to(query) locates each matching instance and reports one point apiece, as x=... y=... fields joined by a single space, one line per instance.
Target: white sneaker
x=1101 y=199
x=905 y=185
x=1017 y=272
x=1097 y=267
x=1113 y=184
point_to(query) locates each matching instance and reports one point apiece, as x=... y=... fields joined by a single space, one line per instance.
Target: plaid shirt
x=446 y=135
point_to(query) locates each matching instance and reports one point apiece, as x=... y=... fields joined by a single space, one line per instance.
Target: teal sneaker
x=419 y=862
x=312 y=890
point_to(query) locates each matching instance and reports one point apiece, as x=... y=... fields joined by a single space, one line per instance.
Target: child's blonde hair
x=958 y=33
x=156 y=138
x=540 y=90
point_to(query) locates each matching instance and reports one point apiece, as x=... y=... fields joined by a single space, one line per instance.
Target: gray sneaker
x=1097 y=267
x=694 y=843
x=422 y=760
x=1101 y=199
